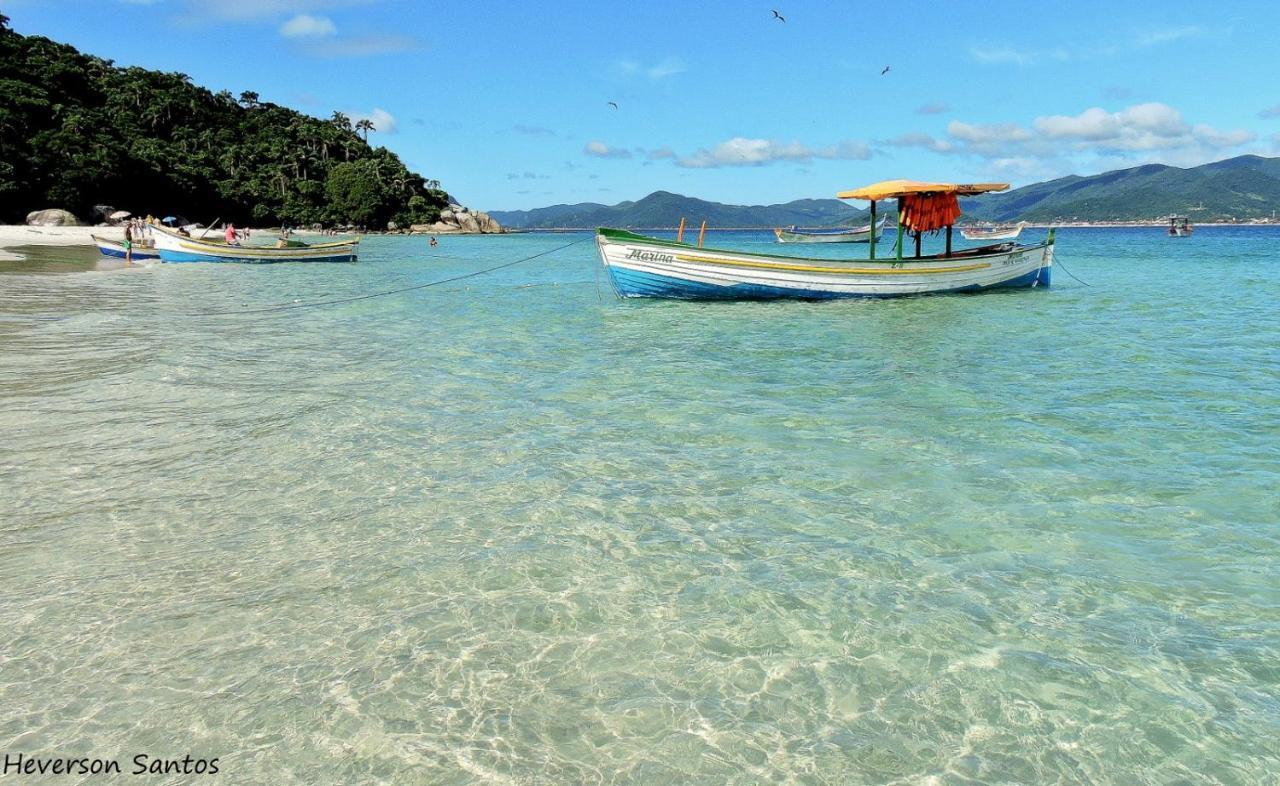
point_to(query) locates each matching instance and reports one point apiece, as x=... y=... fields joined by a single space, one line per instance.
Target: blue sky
x=506 y=103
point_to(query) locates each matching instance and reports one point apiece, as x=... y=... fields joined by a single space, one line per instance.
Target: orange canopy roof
x=898 y=188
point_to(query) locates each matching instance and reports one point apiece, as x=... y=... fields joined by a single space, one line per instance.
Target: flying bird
x=885 y=71
x=615 y=106
x=777 y=16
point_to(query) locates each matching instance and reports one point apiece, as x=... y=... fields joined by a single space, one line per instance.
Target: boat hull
x=115 y=250
x=647 y=267
x=977 y=234
x=178 y=248
x=862 y=235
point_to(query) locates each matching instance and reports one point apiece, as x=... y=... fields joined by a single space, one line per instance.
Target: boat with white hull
x=854 y=235
x=993 y=233
x=176 y=247
x=116 y=250
x=640 y=266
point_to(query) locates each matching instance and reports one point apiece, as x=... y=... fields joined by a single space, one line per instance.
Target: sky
x=507 y=103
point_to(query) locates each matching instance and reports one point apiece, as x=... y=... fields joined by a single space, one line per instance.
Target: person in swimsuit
x=128 y=243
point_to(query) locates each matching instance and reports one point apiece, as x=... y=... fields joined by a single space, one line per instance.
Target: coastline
x=15 y=235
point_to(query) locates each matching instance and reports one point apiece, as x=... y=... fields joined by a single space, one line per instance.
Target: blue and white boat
x=115 y=250
x=176 y=247
x=640 y=266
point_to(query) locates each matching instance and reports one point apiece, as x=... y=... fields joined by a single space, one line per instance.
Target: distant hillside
x=1241 y=188
x=665 y=209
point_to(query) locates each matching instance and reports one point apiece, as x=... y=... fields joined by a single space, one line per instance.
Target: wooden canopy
x=900 y=188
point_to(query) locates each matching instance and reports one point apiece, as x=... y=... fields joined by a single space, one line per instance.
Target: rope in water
x=370 y=296
x=1058 y=261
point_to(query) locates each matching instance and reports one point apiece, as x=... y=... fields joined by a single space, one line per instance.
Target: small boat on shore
x=1179 y=226
x=115 y=249
x=176 y=247
x=855 y=235
x=993 y=233
x=640 y=266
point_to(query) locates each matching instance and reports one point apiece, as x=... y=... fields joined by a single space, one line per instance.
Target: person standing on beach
x=231 y=235
x=128 y=244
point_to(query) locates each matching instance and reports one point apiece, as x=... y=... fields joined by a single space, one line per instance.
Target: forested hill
x=1240 y=188
x=77 y=131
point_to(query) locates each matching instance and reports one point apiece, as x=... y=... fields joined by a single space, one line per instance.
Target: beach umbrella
x=121 y=214
x=169 y=220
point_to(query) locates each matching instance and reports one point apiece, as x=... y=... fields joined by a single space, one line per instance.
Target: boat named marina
x=640 y=266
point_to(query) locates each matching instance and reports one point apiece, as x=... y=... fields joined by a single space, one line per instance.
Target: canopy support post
x=948 y=240
x=873 y=229
x=680 y=231
x=702 y=232
x=918 y=244
x=899 y=229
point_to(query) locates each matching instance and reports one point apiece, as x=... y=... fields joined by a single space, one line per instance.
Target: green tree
x=76 y=130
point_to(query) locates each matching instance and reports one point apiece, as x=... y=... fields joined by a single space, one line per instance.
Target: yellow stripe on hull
x=838 y=270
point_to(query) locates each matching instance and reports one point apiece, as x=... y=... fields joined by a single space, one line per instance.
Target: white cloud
x=1094 y=139
x=917 y=139
x=933 y=108
x=661 y=152
x=308 y=26
x=383 y=121
x=1003 y=54
x=1270 y=112
x=668 y=66
x=601 y=150
x=992 y=55
x=527 y=130
x=1168 y=34
x=1150 y=126
x=740 y=151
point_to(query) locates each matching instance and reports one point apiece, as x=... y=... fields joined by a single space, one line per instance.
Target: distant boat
x=115 y=249
x=176 y=247
x=640 y=266
x=856 y=235
x=1179 y=226
x=994 y=233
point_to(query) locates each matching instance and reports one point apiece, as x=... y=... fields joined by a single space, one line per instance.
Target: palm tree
x=341 y=121
x=365 y=125
x=249 y=98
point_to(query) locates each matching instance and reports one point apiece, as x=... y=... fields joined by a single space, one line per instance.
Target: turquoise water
x=513 y=530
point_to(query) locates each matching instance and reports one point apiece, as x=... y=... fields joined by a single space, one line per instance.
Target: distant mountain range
x=1241 y=188
x=665 y=209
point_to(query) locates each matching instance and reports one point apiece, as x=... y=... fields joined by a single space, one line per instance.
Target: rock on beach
x=53 y=217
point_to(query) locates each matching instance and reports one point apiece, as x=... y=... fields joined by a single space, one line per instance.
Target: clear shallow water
x=513 y=530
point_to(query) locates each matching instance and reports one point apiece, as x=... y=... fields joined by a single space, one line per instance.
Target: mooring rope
x=1058 y=261
x=372 y=295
